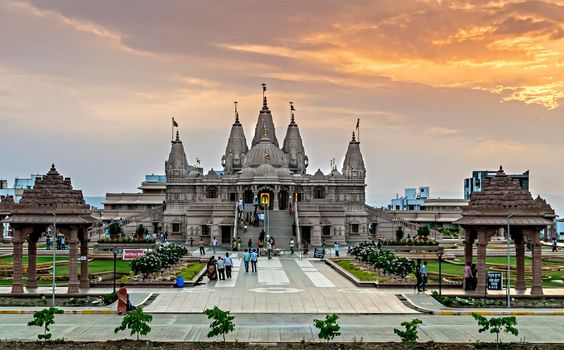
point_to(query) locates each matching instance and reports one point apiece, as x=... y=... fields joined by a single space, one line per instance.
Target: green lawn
x=98 y=266
x=191 y=271
x=7 y=260
x=362 y=275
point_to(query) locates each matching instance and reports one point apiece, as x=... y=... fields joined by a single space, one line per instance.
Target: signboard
x=495 y=280
x=131 y=254
x=319 y=253
x=83 y=258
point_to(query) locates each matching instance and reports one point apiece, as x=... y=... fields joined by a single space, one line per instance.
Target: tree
x=137 y=321
x=140 y=232
x=44 y=318
x=328 y=328
x=114 y=229
x=222 y=322
x=410 y=334
x=423 y=231
x=496 y=324
x=399 y=233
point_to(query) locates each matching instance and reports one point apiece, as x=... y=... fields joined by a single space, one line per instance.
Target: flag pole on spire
x=358 y=129
x=263 y=94
x=174 y=124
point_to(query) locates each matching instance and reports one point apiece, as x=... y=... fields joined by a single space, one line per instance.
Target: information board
x=131 y=254
x=319 y=253
x=495 y=280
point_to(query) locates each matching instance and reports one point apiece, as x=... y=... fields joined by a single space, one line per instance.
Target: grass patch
x=190 y=271
x=8 y=260
x=351 y=267
x=98 y=266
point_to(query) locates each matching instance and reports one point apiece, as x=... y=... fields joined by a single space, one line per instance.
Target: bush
x=114 y=229
x=44 y=318
x=496 y=324
x=162 y=257
x=328 y=328
x=222 y=322
x=423 y=231
x=109 y=298
x=141 y=231
x=410 y=334
x=137 y=321
x=399 y=233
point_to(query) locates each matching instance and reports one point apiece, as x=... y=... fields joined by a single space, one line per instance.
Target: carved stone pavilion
x=502 y=202
x=51 y=200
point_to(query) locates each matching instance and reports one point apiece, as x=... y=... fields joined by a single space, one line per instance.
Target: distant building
x=412 y=200
x=475 y=183
x=20 y=184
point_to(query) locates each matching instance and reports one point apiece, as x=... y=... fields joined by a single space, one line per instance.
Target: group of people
x=421 y=277
x=250 y=256
x=221 y=267
x=60 y=242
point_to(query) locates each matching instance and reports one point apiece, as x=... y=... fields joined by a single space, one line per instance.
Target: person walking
x=468 y=277
x=554 y=244
x=250 y=244
x=202 y=247
x=228 y=265
x=214 y=244
x=291 y=246
x=246 y=259
x=268 y=249
x=337 y=249
x=212 y=269
x=418 y=278
x=238 y=244
x=424 y=276
x=221 y=268
x=254 y=259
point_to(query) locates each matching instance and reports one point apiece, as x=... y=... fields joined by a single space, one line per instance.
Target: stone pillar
x=481 y=274
x=468 y=247
x=73 y=275
x=520 y=258
x=276 y=205
x=84 y=280
x=537 y=263
x=32 y=262
x=17 y=286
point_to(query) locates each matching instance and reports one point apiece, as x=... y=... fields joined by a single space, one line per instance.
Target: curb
x=457 y=312
x=69 y=312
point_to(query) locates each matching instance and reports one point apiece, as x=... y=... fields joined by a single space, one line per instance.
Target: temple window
x=212 y=192
x=319 y=192
x=175 y=228
x=354 y=228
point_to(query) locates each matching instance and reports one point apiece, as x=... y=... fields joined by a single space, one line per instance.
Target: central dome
x=265 y=152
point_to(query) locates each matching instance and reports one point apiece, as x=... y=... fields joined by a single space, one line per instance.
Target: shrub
x=44 y=318
x=109 y=298
x=496 y=324
x=141 y=231
x=115 y=229
x=222 y=322
x=328 y=328
x=136 y=320
x=399 y=233
x=423 y=231
x=410 y=334
x=402 y=267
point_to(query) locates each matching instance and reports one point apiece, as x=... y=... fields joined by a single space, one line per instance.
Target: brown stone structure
x=51 y=200
x=502 y=202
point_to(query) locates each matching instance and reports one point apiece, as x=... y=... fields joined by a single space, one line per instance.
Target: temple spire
x=236 y=113
x=292 y=110
x=177 y=136
x=264 y=102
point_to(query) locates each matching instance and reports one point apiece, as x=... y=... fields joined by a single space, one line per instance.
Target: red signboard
x=131 y=254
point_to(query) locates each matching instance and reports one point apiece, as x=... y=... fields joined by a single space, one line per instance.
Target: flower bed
x=411 y=242
x=496 y=302
x=125 y=240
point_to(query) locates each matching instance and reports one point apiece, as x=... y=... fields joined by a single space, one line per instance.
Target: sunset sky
x=441 y=87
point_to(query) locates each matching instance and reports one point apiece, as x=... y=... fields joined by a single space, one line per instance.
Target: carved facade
x=331 y=206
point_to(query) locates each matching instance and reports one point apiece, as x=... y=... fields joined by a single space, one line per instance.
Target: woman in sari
x=212 y=271
x=122 y=300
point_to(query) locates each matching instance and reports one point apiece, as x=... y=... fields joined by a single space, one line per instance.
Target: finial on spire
x=353 y=137
x=264 y=132
x=264 y=103
x=177 y=136
x=292 y=110
x=53 y=166
x=236 y=113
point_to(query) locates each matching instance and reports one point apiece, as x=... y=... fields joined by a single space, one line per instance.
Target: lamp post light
x=54 y=255
x=440 y=253
x=508 y=290
x=115 y=251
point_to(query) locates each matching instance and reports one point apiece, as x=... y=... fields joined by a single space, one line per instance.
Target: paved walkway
x=281 y=285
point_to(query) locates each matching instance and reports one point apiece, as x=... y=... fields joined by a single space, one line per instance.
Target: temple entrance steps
x=281 y=228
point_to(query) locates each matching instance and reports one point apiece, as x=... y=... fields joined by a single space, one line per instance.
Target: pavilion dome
x=248 y=172
x=266 y=169
x=284 y=172
x=194 y=173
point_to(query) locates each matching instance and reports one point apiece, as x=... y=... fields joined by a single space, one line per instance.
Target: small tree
x=137 y=321
x=114 y=229
x=410 y=333
x=423 y=231
x=496 y=324
x=328 y=328
x=399 y=233
x=44 y=318
x=140 y=232
x=222 y=322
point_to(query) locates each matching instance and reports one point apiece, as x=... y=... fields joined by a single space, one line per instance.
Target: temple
x=324 y=207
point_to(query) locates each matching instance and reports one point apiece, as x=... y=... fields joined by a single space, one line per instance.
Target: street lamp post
x=440 y=253
x=54 y=255
x=115 y=251
x=508 y=290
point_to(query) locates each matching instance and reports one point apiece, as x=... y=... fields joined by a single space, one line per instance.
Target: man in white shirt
x=228 y=265
x=213 y=244
x=292 y=246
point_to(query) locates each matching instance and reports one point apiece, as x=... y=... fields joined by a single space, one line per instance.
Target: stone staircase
x=388 y=224
x=280 y=229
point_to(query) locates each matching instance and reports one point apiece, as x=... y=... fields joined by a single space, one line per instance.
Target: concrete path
x=281 y=285
x=283 y=327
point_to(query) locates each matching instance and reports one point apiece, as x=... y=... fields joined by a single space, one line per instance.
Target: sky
x=441 y=87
